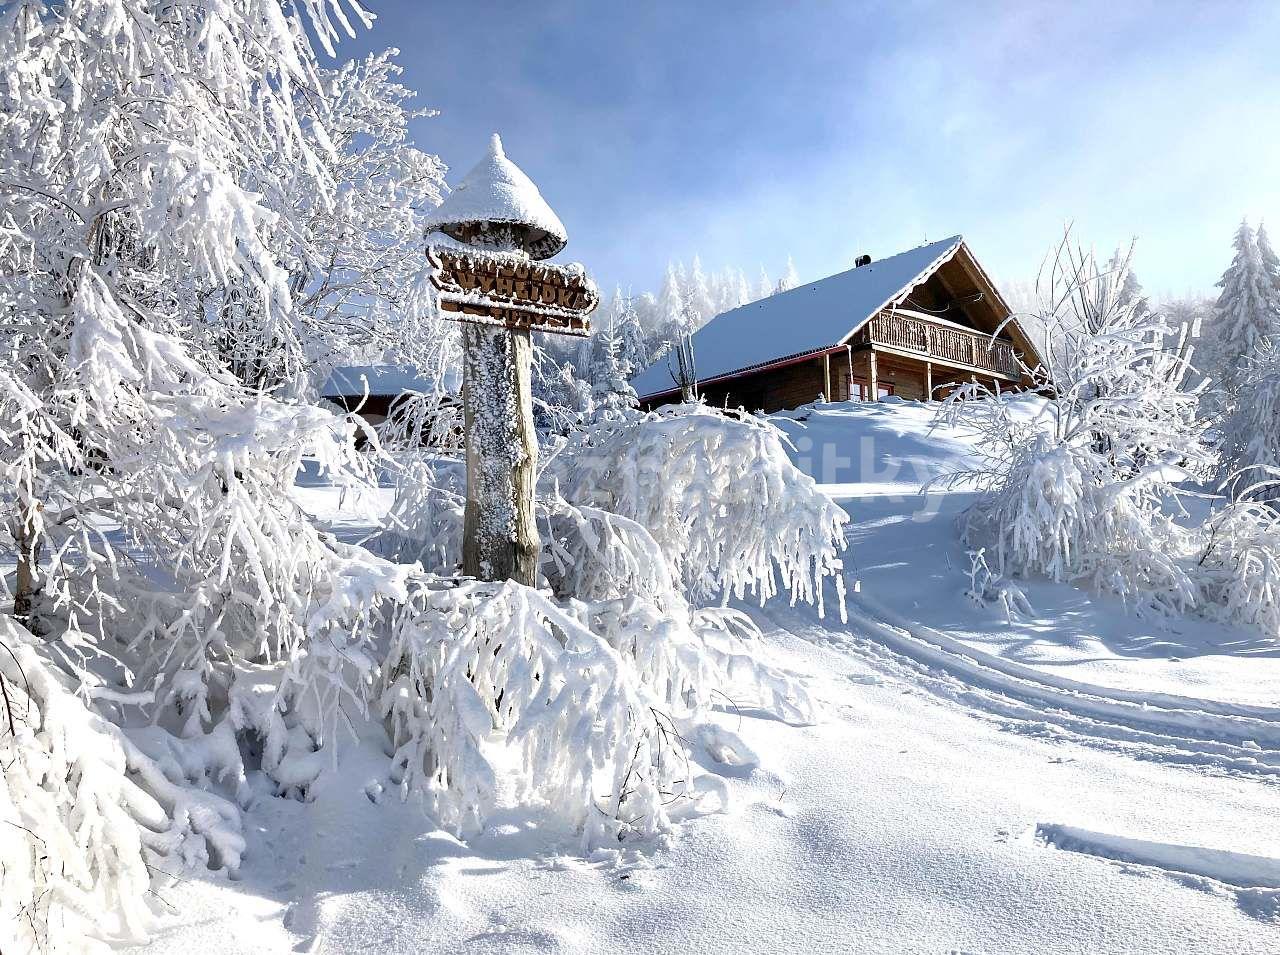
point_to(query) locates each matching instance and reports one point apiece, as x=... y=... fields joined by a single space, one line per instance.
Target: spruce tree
x=1130 y=288
x=790 y=279
x=1249 y=463
x=1270 y=261
x=1247 y=313
x=764 y=288
x=702 y=307
x=611 y=393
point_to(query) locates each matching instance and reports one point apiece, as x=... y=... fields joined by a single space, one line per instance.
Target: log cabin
x=373 y=390
x=913 y=325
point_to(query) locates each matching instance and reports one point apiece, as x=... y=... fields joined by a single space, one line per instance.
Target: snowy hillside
x=908 y=559
x=1074 y=780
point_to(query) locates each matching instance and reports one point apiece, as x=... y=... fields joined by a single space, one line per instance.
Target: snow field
x=970 y=785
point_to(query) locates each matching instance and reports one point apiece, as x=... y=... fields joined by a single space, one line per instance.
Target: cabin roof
x=807 y=318
x=387 y=381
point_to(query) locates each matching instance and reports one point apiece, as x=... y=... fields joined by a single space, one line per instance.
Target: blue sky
x=747 y=131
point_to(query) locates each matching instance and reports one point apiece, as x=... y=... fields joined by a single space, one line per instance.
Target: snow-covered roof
x=384 y=380
x=496 y=190
x=804 y=319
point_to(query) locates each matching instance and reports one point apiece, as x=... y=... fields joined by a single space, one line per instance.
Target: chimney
x=862 y=260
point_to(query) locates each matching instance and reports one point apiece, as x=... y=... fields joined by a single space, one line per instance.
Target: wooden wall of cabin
x=907 y=377
x=794 y=385
x=802 y=382
x=771 y=390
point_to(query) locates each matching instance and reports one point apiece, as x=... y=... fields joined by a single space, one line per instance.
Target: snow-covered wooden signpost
x=485 y=243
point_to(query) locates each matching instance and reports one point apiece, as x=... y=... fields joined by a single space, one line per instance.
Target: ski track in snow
x=1253 y=880
x=1209 y=735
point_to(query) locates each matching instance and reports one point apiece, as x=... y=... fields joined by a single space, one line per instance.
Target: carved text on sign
x=516 y=293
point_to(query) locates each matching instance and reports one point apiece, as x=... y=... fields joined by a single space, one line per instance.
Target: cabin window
x=862 y=390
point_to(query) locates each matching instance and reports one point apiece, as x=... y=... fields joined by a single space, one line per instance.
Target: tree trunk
x=500 y=537
x=27 y=536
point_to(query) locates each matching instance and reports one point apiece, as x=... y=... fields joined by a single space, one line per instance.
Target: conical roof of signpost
x=497 y=192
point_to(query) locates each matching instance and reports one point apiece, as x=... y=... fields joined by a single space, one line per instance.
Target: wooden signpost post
x=494 y=227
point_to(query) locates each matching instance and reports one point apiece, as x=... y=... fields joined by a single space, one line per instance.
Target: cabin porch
x=894 y=354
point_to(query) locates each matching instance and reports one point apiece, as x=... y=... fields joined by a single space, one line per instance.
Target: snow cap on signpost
x=496 y=205
x=485 y=239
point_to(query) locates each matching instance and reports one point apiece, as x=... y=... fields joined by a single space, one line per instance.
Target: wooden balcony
x=939 y=341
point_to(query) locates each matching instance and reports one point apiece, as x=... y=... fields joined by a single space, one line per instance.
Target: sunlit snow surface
x=1077 y=781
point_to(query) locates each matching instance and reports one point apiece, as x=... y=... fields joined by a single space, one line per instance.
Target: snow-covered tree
x=1131 y=290
x=610 y=370
x=1249 y=447
x=673 y=304
x=1080 y=489
x=561 y=392
x=699 y=302
x=681 y=320
x=1247 y=311
x=357 y=270
x=144 y=156
x=790 y=278
x=730 y=289
x=348 y=235
x=764 y=285
x=1270 y=261
x=687 y=300
x=623 y=322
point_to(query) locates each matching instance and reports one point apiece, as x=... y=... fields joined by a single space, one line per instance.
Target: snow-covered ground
x=1078 y=780
x=907 y=557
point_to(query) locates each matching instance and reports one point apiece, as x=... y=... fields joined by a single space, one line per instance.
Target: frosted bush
x=987 y=588
x=599 y=687
x=1238 y=571
x=470 y=660
x=1083 y=488
x=423 y=420
x=1062 y=512
x=592 y=554
x=585 y=707
x=616 y=569
x=732 y=515
x=425 y=521
x=87 y=815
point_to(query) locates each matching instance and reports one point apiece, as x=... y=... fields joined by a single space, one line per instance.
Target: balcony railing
x=943 y=343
